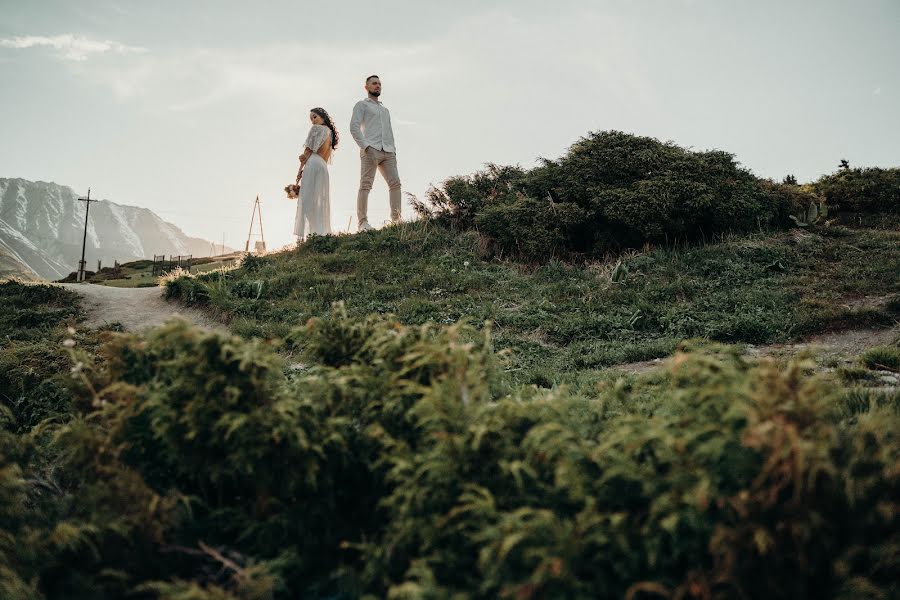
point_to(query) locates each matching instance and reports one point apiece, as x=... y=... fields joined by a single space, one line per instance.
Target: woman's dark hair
x=335 y=137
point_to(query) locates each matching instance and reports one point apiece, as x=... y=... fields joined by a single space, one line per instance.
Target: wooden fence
x=161 y=266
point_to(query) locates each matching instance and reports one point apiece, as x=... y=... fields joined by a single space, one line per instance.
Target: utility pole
x=223 y=242
x=87 y=207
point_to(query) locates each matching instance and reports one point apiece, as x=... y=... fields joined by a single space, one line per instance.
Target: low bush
x=882 y=357
x=865 y=191
x=610 y=191
x=29 y=311
x=390 y=463
x=34 y=366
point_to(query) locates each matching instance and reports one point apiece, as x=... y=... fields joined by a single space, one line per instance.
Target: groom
x=371 y=128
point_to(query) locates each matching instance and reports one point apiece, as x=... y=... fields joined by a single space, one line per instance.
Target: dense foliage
x=610 y=191
x=861 y=190
x=28 y=312
x=391 y=462
x=33 y=373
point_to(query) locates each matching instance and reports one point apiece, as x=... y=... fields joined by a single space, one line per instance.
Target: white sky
x=192 y=108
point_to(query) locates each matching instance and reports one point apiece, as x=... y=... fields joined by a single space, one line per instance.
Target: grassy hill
x=427 y=411
x=559 y=319
x=405 y=461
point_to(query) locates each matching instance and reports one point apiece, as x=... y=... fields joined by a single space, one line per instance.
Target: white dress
x=314 y=204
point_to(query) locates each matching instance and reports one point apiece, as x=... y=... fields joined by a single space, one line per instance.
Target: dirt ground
x=135 y=309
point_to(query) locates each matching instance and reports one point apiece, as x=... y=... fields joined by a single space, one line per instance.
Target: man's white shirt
x=371 y=126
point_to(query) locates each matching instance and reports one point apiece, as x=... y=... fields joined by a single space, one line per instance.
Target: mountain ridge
x=42 y=227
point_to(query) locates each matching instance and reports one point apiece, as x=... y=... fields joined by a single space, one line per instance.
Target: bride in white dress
x=314 y=204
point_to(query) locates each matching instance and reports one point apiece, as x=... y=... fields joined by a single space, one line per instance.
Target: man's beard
x=376 y=94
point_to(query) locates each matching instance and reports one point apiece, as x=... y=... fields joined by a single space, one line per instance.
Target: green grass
x=33 y=362
x=558 y=319
x=407 y=449
x=28 y=311
x=882 y=357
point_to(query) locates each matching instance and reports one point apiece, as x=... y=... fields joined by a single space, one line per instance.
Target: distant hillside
x=20 y=256
x=11 y=264
x=42 y=225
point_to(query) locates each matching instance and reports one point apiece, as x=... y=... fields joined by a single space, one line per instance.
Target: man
x=371 y=128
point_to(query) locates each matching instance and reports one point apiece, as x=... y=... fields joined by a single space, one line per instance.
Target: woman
x=314 y=206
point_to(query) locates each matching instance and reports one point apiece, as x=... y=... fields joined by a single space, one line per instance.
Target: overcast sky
x=192 y=108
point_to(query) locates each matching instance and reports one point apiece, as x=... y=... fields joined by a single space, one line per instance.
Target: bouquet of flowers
x=293 y=189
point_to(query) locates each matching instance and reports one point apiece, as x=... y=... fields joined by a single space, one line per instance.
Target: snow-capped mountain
x=42 y=225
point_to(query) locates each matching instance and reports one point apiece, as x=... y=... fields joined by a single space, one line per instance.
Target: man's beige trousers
x=386 y=163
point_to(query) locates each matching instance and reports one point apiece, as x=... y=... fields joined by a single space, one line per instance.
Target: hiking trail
x=136 y=309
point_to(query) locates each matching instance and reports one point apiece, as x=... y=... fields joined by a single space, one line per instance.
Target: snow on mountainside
x=42 y=224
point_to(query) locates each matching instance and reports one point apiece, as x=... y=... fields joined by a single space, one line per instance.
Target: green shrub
x=390 y=463
x=15 y=534
x=610 y=191
x=531 y=228
x=882 y=357
x=28 y=311
x=253 y=263
x=523 y=503
x=871 y=190
x=802 y=205
x=460 y=199
x=34 y=382
x=861 y=400
x=34 y=366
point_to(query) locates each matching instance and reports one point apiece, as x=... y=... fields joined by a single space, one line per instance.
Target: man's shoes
x=364 y=226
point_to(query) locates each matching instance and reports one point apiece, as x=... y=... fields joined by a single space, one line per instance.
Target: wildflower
x=466 y=264
x=79 y=366
x=70 y=331
x=69 y=343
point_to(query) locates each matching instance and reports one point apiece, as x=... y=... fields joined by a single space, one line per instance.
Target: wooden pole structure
x=257 y=207
x=262 y=236
x=249 y=233
x=87 y=207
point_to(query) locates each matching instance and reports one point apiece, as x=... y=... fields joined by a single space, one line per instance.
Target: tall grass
x=559 y=318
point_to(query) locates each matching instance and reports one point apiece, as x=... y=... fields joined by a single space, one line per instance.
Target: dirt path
x=135 y=309
x=840 y=347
